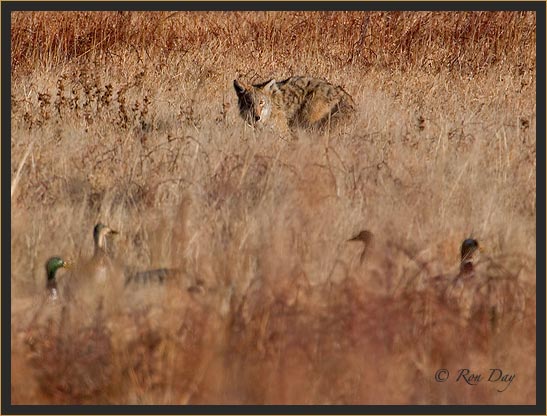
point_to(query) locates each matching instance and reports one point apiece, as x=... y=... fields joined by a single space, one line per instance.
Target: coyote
x=297 y=102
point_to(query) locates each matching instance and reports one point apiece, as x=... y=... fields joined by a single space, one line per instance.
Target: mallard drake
x=52 y=265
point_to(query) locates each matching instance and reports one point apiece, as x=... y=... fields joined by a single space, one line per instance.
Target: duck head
x=99 y=236
x=52 y=265
x=469 y=255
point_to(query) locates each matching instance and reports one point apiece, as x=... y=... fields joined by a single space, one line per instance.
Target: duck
x=102 y=267
x=98 y=276
x=490 y=295
x=100 y=263
x=366 y=237
x=42 y=307
x=469 y=256
x=53 y=264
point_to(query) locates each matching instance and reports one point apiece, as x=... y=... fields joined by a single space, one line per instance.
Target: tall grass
x=468 y=42
x=130 y=119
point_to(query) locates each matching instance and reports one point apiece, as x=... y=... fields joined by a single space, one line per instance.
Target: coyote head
x=255 y=101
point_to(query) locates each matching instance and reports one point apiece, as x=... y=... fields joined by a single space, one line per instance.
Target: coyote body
x=297 y=102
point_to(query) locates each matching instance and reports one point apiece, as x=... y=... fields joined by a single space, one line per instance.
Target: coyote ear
x=240 y=89
x=270 y=86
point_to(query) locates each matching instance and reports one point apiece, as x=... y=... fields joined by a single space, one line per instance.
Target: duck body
x=161 y=275
x=487 y=295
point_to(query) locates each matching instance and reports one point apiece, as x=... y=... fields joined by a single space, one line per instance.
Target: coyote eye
x=261 y=103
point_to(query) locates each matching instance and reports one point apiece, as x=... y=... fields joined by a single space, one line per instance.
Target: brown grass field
x=131 y=119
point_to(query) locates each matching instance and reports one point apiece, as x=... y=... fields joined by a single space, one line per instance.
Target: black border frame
x=7 y=7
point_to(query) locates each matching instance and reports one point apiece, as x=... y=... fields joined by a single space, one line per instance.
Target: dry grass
x=131 y=119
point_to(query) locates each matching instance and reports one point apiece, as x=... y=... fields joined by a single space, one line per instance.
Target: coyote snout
x=297 y=102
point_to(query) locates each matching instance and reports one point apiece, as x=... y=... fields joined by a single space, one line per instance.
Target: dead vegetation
x=131 y=119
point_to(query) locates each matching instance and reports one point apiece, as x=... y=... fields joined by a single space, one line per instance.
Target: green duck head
x=99 y=235
x=54 y=264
